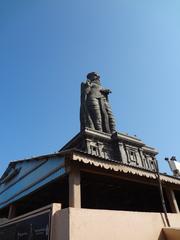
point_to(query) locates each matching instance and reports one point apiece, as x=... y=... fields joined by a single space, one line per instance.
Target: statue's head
x=93 y=76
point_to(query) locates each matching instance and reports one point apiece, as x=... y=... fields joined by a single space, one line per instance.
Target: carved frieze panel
x=135 y=156
x=117 y=147
x=100 y=149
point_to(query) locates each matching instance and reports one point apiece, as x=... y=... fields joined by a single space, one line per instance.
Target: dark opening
x=54 y=192
x=4 y=212
x=177 y=195
x=102 y=192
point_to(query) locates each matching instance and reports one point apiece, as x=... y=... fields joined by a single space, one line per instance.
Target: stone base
x=117 y=147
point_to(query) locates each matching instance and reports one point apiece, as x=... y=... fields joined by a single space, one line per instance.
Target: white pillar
x=74 y=188
x=172 y=200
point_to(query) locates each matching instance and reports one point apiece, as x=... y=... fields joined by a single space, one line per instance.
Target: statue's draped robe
x=85 y=118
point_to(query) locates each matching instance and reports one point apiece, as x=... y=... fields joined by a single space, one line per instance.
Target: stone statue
x=95 y=110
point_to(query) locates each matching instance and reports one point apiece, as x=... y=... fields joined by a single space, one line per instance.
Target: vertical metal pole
x=162 y=195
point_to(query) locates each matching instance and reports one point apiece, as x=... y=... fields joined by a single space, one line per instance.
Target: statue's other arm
x=106 y=91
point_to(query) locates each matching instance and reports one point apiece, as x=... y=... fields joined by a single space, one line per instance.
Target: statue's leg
x=90 y=123
x=85 y=118
x=95 y=113
x=82 y=117
x=112 y=123
x=105 y=116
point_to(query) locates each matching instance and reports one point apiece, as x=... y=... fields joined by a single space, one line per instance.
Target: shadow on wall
x=171 y=233
x=162 y=236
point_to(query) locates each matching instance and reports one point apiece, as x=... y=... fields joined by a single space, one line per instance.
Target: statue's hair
x=91 y=74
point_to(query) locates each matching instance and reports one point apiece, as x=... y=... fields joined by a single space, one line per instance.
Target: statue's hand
x=106 y=91
x=109 y=91
x=88 y=83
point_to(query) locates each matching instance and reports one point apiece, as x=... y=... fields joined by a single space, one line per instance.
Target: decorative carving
x=95 y=111
x=118 y=147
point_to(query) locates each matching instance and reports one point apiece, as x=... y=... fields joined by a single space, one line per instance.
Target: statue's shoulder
x=85 y=88
x=85 y=85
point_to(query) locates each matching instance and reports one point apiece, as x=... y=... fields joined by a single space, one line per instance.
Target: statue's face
x=95 y=78
x=96 y=81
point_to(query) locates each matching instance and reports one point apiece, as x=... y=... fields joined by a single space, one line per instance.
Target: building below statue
x=92 y=189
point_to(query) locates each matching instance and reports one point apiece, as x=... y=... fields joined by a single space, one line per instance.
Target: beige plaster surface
x=90 y=224
x=174 y=220
x=60 y=225
x=116 y=225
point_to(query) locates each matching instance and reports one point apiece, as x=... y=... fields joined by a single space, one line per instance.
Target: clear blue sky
x=48 y=46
